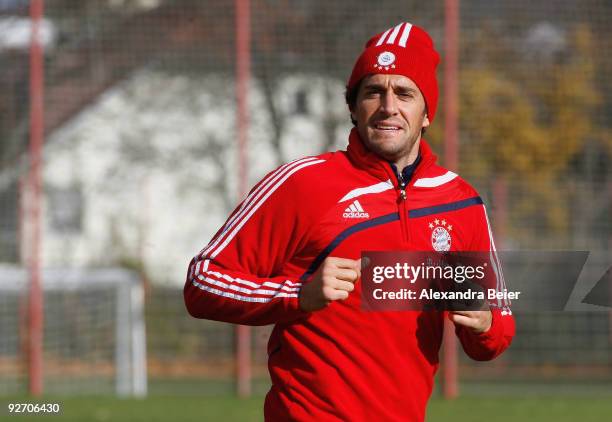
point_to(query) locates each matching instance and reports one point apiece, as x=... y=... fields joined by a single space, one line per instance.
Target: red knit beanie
x=404 y=50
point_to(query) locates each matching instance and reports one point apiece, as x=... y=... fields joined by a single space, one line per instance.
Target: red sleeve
x=237 y=277
x=490 y=344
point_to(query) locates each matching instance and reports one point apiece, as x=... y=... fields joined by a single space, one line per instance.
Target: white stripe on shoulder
x=256 y=206
x=251 y=199
x=432 y=182
x=377 y=188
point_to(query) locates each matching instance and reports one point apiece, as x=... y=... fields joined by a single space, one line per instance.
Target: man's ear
x=426 y=122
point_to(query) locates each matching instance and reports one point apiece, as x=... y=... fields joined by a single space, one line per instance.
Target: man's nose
x=389 y=103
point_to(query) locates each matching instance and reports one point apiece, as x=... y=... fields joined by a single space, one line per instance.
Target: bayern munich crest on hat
x=385 y=61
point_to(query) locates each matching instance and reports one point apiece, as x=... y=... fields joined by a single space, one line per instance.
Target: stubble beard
x=392 y=151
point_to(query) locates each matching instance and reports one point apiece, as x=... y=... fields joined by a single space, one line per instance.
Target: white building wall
x=142 y=157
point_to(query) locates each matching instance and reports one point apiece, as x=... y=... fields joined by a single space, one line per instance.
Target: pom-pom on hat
x=404 y=50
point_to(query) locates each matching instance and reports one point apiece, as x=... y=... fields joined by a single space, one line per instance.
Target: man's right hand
x=334 y=280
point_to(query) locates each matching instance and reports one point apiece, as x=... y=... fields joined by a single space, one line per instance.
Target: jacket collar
x=408 y=171
x=379 y=167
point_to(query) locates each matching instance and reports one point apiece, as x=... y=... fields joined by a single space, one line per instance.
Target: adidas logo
x=355 y=211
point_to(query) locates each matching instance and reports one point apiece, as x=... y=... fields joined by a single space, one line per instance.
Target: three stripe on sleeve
x=236 y=288
x=501 y=283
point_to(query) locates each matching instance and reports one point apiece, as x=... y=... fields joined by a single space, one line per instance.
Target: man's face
x=390 y=114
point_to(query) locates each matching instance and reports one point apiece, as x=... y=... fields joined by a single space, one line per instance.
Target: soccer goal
x=94 y=332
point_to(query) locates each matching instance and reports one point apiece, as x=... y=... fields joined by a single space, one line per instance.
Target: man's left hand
x=478 y=321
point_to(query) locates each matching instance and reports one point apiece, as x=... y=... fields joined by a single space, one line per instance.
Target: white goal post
x=94 y=338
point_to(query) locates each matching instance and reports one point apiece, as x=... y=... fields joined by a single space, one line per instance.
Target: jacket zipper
x=402 y=185
x=402 y=206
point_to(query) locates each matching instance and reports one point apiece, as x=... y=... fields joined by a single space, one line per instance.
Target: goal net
x=94 y=333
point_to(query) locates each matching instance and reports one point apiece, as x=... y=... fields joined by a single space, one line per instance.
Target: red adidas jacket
x=339 y=363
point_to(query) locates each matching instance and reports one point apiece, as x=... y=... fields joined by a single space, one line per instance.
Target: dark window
x=66 y=209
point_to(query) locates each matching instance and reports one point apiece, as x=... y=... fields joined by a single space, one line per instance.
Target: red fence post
x=243 y=73
x=34 y=179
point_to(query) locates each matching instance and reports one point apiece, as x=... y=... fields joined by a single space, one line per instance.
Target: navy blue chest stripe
x=383 y=219
x=451 y=206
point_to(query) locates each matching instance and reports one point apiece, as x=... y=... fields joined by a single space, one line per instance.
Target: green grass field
x=228 y=409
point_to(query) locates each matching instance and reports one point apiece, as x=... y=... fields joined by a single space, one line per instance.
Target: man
x=289 y=254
